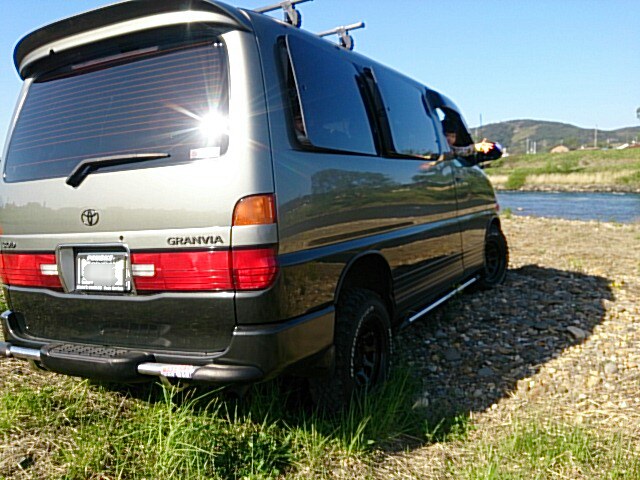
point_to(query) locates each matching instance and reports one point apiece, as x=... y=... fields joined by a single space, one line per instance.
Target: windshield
x=173 y=101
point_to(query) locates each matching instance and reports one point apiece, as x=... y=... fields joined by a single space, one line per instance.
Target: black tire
x=363 y=346
x=496 y=258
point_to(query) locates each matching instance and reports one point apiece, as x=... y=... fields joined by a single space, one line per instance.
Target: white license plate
x=103 y=272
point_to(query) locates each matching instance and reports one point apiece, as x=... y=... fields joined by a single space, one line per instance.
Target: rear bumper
x=255 y=353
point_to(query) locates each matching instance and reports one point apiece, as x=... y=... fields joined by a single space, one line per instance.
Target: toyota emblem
x=90 y=217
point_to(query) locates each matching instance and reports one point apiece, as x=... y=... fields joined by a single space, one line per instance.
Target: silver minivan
x=198 y=192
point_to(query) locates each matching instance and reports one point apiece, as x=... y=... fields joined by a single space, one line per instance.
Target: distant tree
x=572 y=143
x=638 y=113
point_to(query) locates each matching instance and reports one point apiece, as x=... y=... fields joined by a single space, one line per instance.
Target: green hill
x=515 y=135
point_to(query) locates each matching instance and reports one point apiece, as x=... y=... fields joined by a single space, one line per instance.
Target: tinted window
x=412 y=129
x=172 y=102
x=333 y=111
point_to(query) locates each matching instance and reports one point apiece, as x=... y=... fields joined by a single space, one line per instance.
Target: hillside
x=514 y=134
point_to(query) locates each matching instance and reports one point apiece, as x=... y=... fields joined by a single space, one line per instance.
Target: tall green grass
x=89 y=431
x=516 y=179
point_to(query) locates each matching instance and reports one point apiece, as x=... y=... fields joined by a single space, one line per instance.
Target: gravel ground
x=561 y=339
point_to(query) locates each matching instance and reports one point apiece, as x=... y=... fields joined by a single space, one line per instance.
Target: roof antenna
x=346 y=40
x=291 y=15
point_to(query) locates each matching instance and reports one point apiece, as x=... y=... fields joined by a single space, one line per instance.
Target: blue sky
x=573 y=61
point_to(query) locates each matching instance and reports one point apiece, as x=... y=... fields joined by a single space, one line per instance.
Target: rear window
x=172 y=101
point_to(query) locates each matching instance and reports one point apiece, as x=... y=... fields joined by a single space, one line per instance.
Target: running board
x=437 y=303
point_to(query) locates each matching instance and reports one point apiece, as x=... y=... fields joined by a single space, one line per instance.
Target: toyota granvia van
x=197 y=192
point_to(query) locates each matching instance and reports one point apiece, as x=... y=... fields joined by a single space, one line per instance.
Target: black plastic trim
x=255 y=353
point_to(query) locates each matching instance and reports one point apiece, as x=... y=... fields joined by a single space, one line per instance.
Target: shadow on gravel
x=471 y=353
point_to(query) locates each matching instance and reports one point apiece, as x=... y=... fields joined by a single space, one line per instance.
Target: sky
x=570 y=61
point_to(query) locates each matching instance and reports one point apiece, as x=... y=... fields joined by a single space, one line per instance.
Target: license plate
x=103 y=272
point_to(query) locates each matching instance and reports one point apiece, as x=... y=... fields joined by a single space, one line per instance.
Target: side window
x=453 y=127
x=330 y=101
x=412 y=129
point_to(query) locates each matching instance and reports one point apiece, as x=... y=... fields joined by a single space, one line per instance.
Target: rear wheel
x=496 y=258
x=362 y=350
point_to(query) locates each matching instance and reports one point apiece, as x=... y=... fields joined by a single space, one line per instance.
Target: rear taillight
x=29 y=270
x=254 y=269
x=214 y=270
x=186 y=271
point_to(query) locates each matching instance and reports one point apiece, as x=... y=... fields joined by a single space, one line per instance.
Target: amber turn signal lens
x=255 y=210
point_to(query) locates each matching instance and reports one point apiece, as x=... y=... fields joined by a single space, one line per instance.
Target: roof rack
x=346 y=40
x=291 y=15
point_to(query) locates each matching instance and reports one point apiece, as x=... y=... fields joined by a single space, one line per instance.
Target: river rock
x=577 y=333
x=452 y=355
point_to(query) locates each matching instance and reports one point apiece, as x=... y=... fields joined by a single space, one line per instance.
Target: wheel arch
x=493 y=221
x=368 y=270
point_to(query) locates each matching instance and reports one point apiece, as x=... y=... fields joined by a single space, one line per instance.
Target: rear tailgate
x=136 y=253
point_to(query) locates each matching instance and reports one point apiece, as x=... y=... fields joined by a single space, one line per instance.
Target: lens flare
x=213 y=126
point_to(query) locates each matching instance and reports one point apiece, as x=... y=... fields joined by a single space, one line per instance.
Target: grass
x=73 y=429
x=76 y=430
x=516 y=179
x=506 y=213
x=169 y=440
x=541 y=449
x=610 y=169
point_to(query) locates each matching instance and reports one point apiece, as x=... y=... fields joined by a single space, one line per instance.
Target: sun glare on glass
x=213 y=125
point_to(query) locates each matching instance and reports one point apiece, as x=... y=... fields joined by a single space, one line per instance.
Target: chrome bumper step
x=119 y=364
x=11 y=351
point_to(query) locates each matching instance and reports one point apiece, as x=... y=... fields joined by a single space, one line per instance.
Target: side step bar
x=437 y=303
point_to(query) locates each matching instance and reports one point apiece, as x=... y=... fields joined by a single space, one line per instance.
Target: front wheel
x=496 y=258
x=362 y=350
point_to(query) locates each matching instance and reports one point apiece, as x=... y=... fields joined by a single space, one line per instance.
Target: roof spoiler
x=111 y=21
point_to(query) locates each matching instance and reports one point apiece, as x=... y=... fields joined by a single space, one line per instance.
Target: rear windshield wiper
x=90 y=165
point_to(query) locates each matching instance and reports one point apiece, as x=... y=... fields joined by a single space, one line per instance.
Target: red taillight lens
x=186 y=271
x=217 y=270
x=25 y=270
x=254 y=269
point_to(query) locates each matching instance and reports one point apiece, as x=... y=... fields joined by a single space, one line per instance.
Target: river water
x=605 y=207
